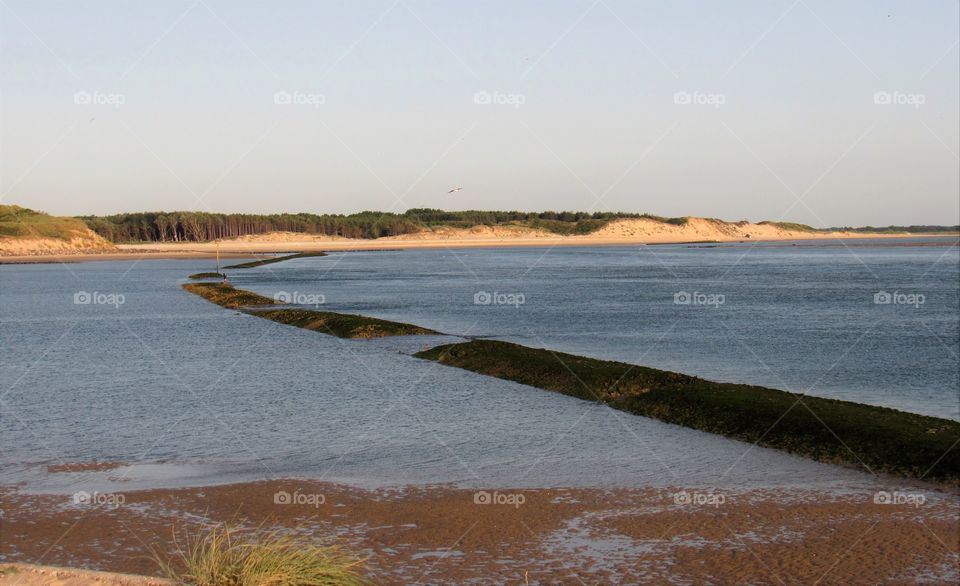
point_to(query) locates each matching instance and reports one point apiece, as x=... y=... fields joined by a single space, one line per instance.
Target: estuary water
x=113 y=362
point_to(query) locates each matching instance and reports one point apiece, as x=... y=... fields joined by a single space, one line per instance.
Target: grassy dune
x=342 y=325
x=18 y=222
x=271 y=260
x=884 y=440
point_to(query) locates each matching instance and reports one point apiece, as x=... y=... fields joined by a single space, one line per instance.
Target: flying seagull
x=455 y=189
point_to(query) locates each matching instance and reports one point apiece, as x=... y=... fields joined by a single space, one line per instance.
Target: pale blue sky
x=588 y=118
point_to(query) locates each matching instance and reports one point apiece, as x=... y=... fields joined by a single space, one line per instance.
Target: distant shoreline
x=235 y=249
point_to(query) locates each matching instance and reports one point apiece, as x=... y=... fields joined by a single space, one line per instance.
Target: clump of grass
x=273 y=259
x=225 y=555
x=227 y=296
x=208 y=276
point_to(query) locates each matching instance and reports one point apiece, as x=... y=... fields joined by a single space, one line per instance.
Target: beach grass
x=273 y=259
x=879 y=439
x=207 y=276
x=24 y=223
x=229 y=556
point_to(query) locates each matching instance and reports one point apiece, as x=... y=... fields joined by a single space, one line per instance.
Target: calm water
x=186 y=392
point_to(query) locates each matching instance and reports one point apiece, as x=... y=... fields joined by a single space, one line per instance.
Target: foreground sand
x=33 y=575
x=442 y=535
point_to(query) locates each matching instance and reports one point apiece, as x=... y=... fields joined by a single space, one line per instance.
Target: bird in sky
x=455 y=189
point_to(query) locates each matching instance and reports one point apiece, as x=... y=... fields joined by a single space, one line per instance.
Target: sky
x=822 y=112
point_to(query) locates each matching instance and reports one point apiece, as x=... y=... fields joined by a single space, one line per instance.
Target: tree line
x=203 y=226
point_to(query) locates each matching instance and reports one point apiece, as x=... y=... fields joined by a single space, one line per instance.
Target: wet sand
x=547 y=536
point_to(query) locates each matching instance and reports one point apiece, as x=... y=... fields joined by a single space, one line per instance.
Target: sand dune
x=624 y=231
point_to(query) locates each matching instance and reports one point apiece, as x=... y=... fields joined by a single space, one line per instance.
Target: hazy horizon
x=801 y=111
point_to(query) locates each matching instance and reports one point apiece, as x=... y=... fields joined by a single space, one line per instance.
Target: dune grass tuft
x=224 y=555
